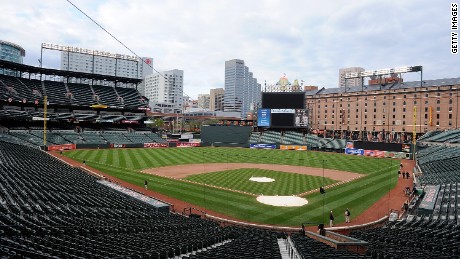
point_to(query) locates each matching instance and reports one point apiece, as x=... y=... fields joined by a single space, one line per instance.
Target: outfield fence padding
x=225 y=134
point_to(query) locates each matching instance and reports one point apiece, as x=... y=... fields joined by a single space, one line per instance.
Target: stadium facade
x=82 y=60
x=396 y=110
x=241 y=88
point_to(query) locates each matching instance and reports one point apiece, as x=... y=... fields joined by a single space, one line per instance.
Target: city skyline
x=307 y=41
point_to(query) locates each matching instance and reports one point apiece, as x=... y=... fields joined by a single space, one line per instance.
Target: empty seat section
x=30 y=138
x=93 y=138
x=49 y=209
x=81 y=94
x=312 y=140
x=16 y=89
x=156 y=138
x=412 y=239
x=270 y=137
x=254 y=138
x=106 y=95
x=130 y=97
x=114 y=137
x=138 y=137
x=292 y=137
x=56 y=92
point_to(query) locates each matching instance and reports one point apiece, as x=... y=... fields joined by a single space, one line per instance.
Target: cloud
x=307 y=40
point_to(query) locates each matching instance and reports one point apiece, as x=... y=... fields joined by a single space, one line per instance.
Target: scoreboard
x=283 y=110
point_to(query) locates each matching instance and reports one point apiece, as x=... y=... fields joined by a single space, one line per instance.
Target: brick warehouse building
x=385 y=112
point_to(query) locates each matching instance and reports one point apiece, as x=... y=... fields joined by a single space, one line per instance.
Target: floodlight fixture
x=87 y=51
x=385 y=71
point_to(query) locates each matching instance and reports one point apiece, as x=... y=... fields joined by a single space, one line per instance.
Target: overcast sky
x=308 y=40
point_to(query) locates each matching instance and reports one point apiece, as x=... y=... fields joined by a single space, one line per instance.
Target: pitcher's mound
x=283 y=201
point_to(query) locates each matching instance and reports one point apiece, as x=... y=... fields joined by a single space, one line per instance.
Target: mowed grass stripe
x=160 y=157
x=172 y=156
x=133 y=161
x=144 y=160
x=103 y=156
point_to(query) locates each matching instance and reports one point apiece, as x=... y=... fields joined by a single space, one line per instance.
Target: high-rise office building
x=350 y=82
x=216 y=99
x=11 y=52
x=241 y=89
x=204 y=101
x=165 y=91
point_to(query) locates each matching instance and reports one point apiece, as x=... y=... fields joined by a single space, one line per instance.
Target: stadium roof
x=48 y=71
x=391 y=86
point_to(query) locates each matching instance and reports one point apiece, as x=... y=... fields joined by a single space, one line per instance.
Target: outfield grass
x=357 y=195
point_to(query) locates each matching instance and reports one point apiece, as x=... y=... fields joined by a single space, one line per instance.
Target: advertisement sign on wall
x=354 y=151
x=117 y=145
x=155 y=145
x=293 y=147
x=188 y=144
x=268 y=146
x=406 y=148
x=61 y=147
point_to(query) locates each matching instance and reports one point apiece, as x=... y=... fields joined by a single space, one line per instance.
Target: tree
x=157 y=123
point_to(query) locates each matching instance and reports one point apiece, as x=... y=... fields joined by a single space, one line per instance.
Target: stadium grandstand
x=50 y=209
x=75 y=113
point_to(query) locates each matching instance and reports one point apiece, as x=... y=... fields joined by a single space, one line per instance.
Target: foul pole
x=45 y=108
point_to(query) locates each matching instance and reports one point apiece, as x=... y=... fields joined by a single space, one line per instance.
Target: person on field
x=321 y=190
x=347 y=215
x=405 y=206
x=331 y=219
x=321 y=230
x=145 y=184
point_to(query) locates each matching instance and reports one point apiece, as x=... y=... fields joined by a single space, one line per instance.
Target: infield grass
x=284 y=183
x=358 y=195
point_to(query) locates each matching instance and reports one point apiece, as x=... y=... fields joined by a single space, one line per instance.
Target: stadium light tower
x=386 y=71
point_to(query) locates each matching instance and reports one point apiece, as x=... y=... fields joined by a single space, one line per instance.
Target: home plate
x=282 y=201
x=262 y=179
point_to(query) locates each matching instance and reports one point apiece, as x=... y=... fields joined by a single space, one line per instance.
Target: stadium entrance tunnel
x=282 y=201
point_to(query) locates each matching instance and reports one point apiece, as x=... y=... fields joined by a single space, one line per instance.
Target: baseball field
x=218 y=179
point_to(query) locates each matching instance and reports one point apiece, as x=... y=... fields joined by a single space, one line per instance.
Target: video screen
x=283 y=100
